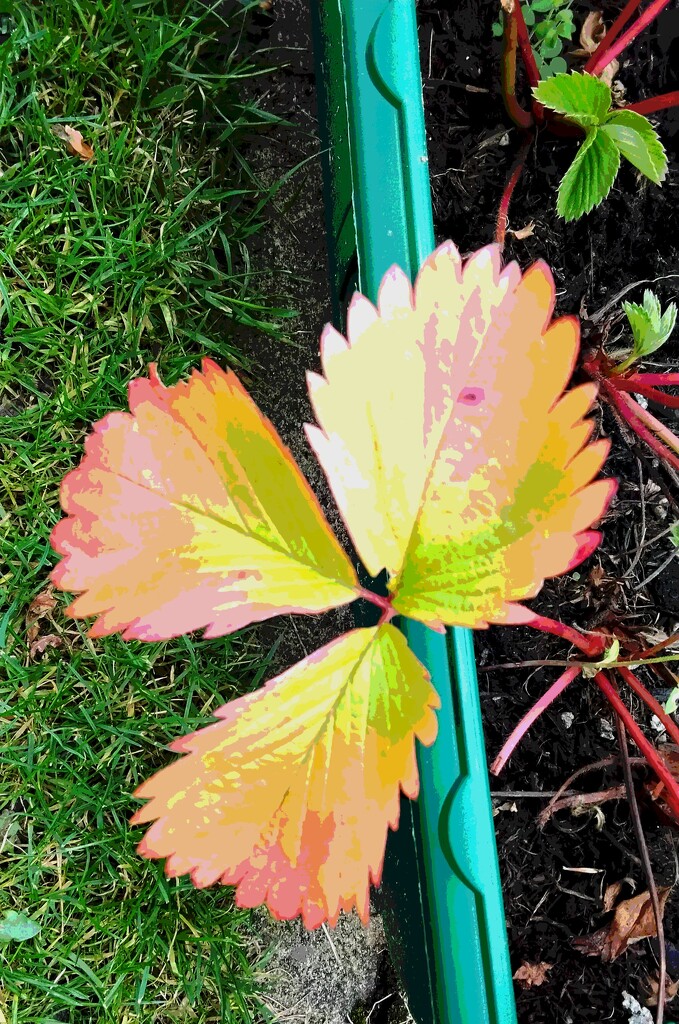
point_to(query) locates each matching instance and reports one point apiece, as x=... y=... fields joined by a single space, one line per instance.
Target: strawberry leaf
x=650 y=327
x=456 y=462
x=290 y=795
x=638 y=142
x=579 y=97
x=590 y=177
x=190 y=513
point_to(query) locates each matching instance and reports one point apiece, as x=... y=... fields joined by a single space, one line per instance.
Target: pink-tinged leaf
x=289 y=796
x=456 y=460
x=188 y=512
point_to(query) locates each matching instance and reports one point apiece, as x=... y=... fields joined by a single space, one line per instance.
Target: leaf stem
x=382 y=602
x=527 y=55
x=519 y=731
x=655 y=103
x=633 y=384
x=647 y=748
x=591 y=645
x=638 y=687
x=613 y=33
x=652 y=432
x=665 y=380
x=512 y=182
x=597 y=64
x=522 y=118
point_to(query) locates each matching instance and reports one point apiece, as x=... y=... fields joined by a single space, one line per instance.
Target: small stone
x=567 y=718
x=606 y=730
x=659 y=728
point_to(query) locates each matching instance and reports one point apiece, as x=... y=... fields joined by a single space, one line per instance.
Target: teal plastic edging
x=441 y=886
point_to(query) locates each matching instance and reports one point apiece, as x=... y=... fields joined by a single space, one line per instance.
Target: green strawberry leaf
x=542 y=6
x=650 y=327
x=579 y=97
x=16 y=927
x=589 y=178
x=638 y=142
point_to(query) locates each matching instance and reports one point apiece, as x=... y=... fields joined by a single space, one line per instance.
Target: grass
x=139 y=254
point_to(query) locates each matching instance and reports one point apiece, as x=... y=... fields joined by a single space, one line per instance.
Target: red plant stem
x=527 y=54
x=656 y=379
x=592 y=646
x=614 y=49
x=519 y=731
x=613 y=32
x=634 y=384
x=647 y=748
x=517 y=170
x=522 y=118
x=654 y=103
x=644 y=425
x=648 y=699
x=382 y=602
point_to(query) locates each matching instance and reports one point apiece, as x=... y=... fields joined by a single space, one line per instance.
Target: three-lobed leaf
x=290 y=795
x=458 y=465
x=650 y=327
x=609 y=134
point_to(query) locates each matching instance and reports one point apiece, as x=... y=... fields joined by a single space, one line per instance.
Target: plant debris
x=74 y=141
x=633 y=921
x=532 y=975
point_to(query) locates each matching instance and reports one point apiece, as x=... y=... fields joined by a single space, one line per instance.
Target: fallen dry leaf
x=592 y=32
x=40 y=606
x=597 y=576
x=611 y=894
x=40 y=645
x=653 y=986
x=633 y=921
x=74 y=140
x=532 y=975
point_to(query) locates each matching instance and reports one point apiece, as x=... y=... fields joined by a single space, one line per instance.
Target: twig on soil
x=656 y=572
x=578 y=800
x=564 y=790
x=526 y=794
x=332 y=944
x=648 y=870
x=601 y=313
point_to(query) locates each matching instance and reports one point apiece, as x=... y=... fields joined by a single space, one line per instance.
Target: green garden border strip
x=443 y=900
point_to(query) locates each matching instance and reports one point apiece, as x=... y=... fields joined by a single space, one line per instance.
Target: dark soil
x=553 y=878
x=634 y=235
